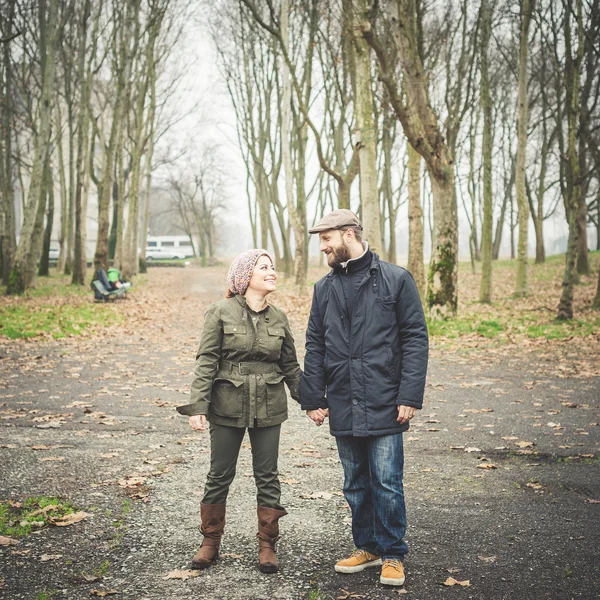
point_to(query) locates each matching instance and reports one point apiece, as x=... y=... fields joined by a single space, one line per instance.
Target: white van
x=169 y=246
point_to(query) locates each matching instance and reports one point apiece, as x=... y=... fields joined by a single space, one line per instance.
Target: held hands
x=318 y=415
x=198 y=422
x=405 y=414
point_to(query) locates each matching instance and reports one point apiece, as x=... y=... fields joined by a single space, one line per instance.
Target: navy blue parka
x=364 y=367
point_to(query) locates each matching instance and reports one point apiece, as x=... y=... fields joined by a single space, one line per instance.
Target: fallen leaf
x=69 y=519
x=232 y=555
x=524 y=444
x=52 y=459
x=472 y=449
x=451 y=581
x=43 y=511
x=289 y=481
x=46 y=557
x=7 y=541
x=103 y=593
x=534 y=485
x=591 y=501
x=182 y=574
x=131 y=481
x=318 y=496
x=486 y=466
x=487 y=559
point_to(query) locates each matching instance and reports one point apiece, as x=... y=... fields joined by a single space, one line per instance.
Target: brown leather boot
x=213 y=523
x=268 y=534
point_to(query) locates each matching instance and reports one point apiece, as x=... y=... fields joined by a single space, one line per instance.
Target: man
x=365 y=368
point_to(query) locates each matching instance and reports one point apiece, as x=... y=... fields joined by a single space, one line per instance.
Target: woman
x=246 y=354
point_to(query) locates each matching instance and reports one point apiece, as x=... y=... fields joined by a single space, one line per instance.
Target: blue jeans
x=373 y=469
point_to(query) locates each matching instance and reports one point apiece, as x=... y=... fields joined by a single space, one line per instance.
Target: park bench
x=102 y=289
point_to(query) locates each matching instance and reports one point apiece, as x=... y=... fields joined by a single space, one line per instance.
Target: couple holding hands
x=365 y=368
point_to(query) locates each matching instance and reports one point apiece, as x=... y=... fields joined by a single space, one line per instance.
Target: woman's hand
x=198 y=422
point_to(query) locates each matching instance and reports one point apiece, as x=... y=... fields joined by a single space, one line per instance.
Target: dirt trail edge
x=502 y=472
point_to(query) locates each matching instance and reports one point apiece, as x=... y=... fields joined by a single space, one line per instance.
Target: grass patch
x=46 y=595
x=56 y=309
x=453 y=328
x=505 y=326
x=27 y=321
x=17 y=519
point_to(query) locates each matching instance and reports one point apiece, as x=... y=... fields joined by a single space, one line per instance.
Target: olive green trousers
x=225 y=443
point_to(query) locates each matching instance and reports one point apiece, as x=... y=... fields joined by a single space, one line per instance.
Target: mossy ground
x=17 y=519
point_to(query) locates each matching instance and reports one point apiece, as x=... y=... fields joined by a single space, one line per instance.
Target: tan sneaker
x=392 y=572
x=357 y=561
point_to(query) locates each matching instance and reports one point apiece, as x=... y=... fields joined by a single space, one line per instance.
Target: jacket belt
x=249 y=368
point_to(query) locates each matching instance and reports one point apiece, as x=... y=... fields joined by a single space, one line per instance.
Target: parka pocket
x=234 y=337
x=275 y=338
x=390 y=364
x=227 y=398
x=276 y=396
x=386 y=302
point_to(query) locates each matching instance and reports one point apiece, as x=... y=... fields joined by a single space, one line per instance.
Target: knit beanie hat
x=240 y=271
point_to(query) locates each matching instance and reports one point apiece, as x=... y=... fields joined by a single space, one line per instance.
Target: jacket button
x=355 y=402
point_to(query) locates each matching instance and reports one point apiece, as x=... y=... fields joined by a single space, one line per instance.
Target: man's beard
x=338 y=256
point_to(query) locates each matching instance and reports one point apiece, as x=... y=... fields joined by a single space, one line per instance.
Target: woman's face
x=263 y=277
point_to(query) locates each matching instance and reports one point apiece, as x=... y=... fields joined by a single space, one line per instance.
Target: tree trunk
x=37 y=237
x=422 y=129
x=81 y=165
x=123 y=77
x=522 y=266
x=296 y=209
x=573 y=188
x=387 y=144
x=485 y=289
x=8 y=240
x=44 y=268
x=62 y=238
x=415 y=220
x=365 y=138
x=18 y=283
x=596 y=302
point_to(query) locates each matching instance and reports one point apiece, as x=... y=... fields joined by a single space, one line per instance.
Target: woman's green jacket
x=241 y=366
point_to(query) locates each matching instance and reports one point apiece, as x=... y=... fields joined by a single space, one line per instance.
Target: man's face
x=334 y=245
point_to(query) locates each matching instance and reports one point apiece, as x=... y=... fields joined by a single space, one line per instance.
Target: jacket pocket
x=386 y=302
x=275 y=338
x=276 y=396
x=234 y=337
x=390 y=364
x=227 y=398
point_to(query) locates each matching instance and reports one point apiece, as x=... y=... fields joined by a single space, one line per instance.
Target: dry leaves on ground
x=103 y=593
x=69 y=519
x=7 y=541
x=182 y=574
x=451 y=582
x=346 y=595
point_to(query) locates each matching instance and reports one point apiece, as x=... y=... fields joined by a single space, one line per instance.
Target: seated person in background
x=114 y=279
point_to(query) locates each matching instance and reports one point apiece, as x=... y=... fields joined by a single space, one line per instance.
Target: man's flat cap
x=338 y=219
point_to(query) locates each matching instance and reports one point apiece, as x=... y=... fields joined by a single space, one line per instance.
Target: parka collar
x=373 y=268
x=242 y=302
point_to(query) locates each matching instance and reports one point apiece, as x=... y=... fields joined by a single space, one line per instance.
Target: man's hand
x=198 y=422
x=405 y=414
x=318 y=415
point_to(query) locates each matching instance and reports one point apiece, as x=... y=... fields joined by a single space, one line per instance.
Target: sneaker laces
x=393 y=563
x=359 y=553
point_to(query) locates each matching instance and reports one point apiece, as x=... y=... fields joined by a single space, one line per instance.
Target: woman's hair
x=229 y=294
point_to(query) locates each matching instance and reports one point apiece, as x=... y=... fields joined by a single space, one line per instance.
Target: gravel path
x=502 y=473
